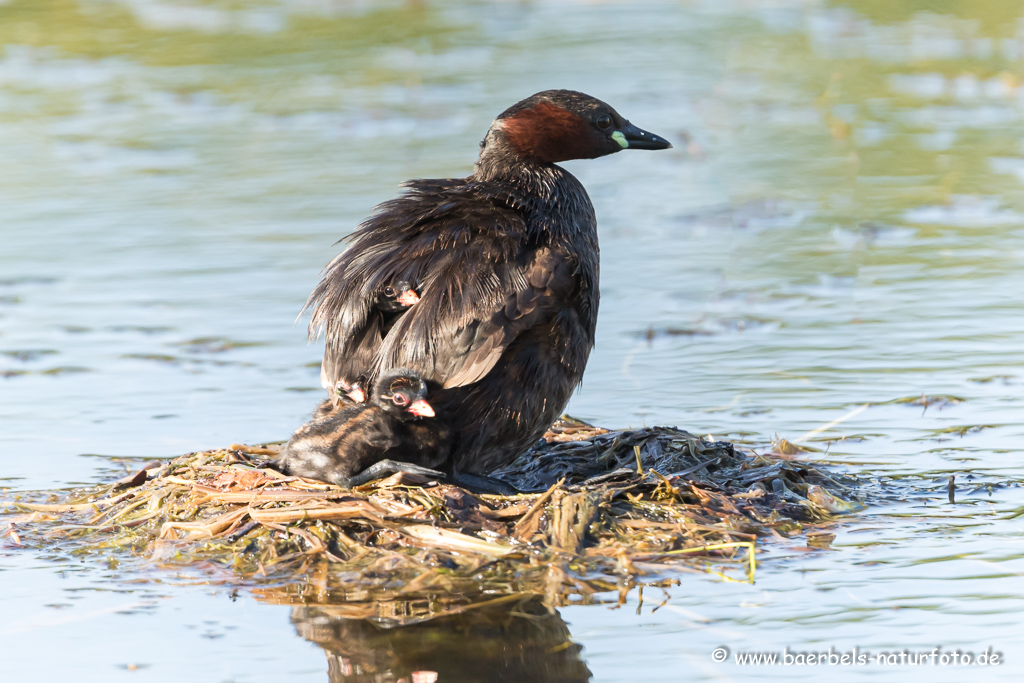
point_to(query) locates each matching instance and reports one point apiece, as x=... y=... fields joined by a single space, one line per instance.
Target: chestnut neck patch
x=549 y=133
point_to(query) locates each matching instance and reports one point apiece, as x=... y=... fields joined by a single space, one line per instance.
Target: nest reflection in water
x=514 y=638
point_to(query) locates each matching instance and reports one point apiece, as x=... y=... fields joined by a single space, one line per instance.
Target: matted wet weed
x=605 y=511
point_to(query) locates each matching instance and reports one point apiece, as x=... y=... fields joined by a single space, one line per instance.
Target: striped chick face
x=403 y=393
x=397 y=297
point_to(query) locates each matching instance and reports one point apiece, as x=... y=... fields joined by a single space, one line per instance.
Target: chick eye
x=389 y=291
x=399 y=400
x=604 y=122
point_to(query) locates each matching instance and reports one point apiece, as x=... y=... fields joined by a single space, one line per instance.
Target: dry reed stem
x=526 y=523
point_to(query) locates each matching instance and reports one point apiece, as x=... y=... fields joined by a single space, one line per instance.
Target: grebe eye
x=399 y=400
x=604 y=122
x=389 y=291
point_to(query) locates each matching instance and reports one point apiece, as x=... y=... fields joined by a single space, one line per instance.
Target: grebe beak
x=631 y=137
x=421 y=408
x=408 y=298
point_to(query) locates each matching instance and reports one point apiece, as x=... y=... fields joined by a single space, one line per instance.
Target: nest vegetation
x=608 y=510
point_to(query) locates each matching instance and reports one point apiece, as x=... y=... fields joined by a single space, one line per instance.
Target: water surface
x=840 y=224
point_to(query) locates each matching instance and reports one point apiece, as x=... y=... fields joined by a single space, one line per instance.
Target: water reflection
x=512 y=640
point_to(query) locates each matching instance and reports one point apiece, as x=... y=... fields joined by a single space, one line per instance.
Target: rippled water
x=840 y=224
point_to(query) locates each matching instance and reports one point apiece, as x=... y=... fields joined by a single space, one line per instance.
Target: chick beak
x=357 y=394
x=408 y=298
x=420 y=408
x=637 y=138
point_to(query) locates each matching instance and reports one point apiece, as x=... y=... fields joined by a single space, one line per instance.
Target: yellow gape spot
x=621 y=139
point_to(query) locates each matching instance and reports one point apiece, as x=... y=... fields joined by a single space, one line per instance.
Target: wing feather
x=481 y=285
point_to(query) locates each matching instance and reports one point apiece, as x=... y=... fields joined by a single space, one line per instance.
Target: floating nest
x=608 y=510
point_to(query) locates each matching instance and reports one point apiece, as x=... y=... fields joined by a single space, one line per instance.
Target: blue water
x=840 y=223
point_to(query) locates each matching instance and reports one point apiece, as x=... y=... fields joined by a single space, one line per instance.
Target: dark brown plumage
x=395 y=424
x=506 y=266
